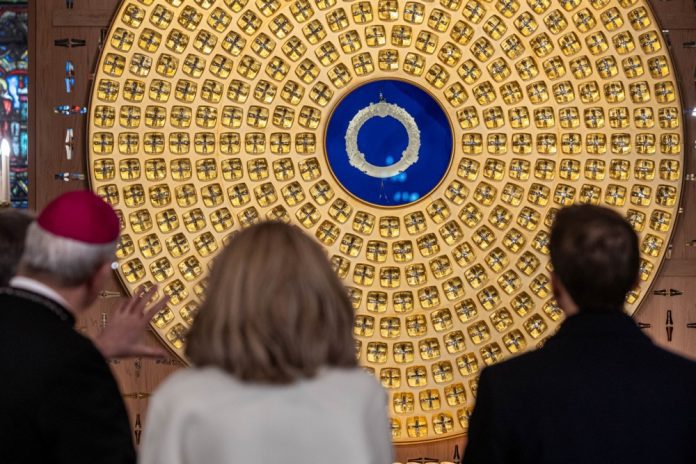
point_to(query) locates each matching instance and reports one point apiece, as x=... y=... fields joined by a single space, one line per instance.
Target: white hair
x=69 y=261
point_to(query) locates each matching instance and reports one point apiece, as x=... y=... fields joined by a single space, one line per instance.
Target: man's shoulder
x=674 y=362
x=555 y=359
x=32 y=332
x=533 y=369
x=522 y=364
x=16 y=309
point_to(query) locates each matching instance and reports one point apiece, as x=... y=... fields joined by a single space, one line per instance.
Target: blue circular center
x=382 y=141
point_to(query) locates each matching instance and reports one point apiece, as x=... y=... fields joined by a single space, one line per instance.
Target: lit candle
x=5 y=175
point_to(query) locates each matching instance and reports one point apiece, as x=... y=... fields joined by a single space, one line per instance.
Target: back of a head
x=13 y=230
x=275 y=311
x=594 y=253
x=71 y=239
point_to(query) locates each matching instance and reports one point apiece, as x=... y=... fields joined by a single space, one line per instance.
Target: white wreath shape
x=382 y=109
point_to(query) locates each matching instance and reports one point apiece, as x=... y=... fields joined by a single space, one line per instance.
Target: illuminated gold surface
x=207 y=116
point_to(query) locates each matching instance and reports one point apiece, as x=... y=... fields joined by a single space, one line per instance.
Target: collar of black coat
x=56 y=309
x=613 y=323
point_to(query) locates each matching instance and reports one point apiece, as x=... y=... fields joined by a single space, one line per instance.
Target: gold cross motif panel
x=207 y=116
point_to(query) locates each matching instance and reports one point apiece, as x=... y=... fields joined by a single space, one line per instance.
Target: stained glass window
x=14 y=80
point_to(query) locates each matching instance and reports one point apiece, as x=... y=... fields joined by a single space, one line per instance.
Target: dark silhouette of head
x=13 y=230
x=594 y=253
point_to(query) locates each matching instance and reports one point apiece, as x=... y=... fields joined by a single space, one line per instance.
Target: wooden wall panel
x=669 y=320
x=51 y=20
x=675 y=14
x=668 y=316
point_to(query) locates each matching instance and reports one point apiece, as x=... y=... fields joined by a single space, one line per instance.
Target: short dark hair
x=13 y=231
x=594 y=253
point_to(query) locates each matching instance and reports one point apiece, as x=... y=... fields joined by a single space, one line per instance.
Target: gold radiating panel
x=209 y=116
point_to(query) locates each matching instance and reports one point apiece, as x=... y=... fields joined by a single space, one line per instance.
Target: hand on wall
x=123 y=337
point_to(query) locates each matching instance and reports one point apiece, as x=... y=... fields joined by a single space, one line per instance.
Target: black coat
x=59 y=402
x=598 y=392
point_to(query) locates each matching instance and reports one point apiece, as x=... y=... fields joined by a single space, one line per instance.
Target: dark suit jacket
x=59 y=402
x=598 y=392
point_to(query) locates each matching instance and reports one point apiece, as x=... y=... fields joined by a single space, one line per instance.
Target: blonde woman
x=275 y=379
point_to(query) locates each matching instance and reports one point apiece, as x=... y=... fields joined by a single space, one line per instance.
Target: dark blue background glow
x=382 y=140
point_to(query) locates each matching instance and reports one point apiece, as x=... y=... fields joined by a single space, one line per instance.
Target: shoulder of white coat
x=358 y=379
x=188 y=382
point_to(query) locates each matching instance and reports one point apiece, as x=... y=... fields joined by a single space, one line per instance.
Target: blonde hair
x=275 y=311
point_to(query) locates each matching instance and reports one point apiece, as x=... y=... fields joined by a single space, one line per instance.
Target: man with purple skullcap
x=59 y=402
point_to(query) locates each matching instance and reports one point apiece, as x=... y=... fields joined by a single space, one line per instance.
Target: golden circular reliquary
x=207 y=116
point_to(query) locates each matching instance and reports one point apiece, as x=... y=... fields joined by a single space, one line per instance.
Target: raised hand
x=123 y=336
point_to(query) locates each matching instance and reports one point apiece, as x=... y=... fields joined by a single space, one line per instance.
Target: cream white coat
x=205 y=416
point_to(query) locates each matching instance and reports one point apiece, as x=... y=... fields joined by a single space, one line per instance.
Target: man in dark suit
x=59 y=402
x=599 y=391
